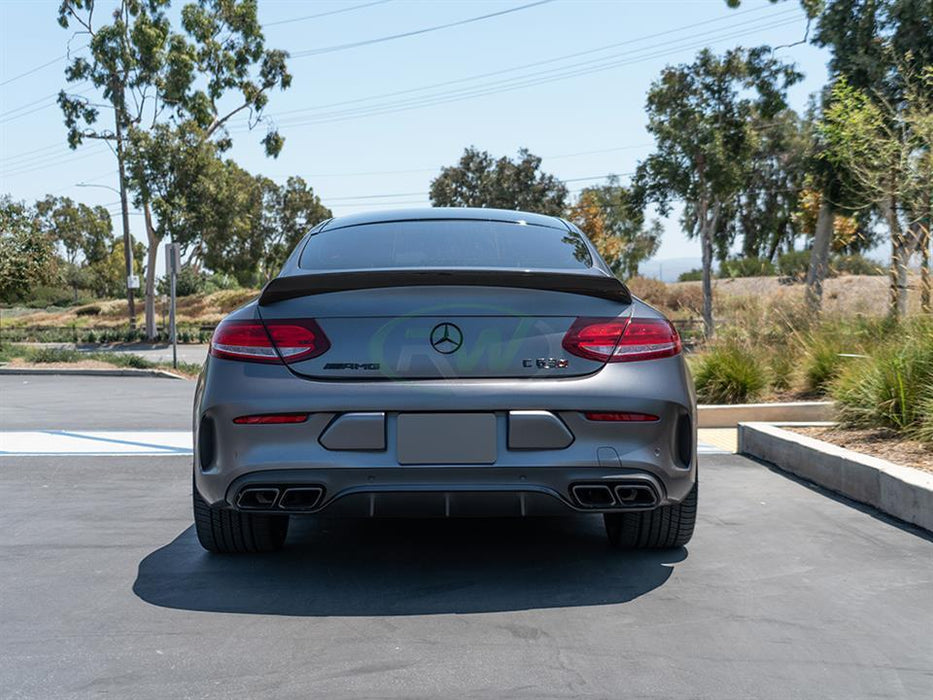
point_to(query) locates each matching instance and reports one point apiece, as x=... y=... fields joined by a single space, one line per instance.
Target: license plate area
x=447 y=438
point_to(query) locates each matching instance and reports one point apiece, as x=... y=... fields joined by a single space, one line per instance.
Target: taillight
x=272 y=419
x=617 y=417
x=290 y=340
x=622 y=340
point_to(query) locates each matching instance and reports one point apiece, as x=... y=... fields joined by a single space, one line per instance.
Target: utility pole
x=132 y=282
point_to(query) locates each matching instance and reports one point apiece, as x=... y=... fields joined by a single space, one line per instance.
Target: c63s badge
x=546 y=363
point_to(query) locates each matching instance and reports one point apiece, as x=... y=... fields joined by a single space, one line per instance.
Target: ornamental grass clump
x=729 y=373
x=892 y=388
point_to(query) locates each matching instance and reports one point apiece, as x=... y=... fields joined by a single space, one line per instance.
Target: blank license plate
x=447 y=438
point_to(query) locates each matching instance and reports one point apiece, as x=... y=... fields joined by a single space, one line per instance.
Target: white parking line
x=95 y=442
x=127 y=442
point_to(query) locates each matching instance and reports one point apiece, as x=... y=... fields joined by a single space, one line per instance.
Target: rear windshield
x=445 y=243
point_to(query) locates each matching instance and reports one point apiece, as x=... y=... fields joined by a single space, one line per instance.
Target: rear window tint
x=445 y=243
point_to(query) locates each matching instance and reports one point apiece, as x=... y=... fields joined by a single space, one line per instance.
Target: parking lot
x=785 y=591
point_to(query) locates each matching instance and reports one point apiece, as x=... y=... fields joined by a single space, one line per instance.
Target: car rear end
x=522 y=380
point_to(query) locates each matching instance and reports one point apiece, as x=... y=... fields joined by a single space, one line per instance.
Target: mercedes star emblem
x=446 y=338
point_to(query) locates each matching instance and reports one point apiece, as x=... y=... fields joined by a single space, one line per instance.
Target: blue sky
x=362 y=125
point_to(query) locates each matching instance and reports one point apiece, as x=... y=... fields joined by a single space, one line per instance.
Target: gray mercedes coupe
x=444 y=363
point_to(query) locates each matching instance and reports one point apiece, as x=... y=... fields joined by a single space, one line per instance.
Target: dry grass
x=845 y=295
x=193 y=310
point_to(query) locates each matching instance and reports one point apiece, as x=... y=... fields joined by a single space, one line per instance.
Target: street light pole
x=127 y=240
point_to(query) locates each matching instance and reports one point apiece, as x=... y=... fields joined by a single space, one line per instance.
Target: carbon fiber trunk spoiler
x=593 y=284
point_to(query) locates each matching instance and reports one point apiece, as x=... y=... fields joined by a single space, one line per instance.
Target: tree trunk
x=900 y=258
x=151 y=255
x=707 y=226
x=819 y=255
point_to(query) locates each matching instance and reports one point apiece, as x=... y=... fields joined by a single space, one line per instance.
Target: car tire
x=226 y=531
x=662 y=528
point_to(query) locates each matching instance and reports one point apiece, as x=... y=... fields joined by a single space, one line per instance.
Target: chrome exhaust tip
x=593 y=495
x=301 y=498
x=257 y=498
x=636 y=496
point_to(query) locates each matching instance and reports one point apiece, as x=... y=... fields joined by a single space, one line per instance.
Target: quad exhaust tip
x=604 y=496
x=263 y=498
x=301 y=498
x=293 y=498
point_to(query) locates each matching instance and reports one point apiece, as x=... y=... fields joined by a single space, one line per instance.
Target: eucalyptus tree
x=481 y=180
x=887 y=150
x=83 y=232
x=27 y=254
x=199 y=73
x=703 y=116
x=875 y=45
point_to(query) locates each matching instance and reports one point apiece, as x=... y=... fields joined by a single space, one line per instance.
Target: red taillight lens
x=279 y=339
x=594 y=338
x=622 y=340
x=621 y=417
x=272 y=419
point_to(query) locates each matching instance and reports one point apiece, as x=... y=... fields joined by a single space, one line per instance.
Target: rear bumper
x=230 y=457
x=445 y=492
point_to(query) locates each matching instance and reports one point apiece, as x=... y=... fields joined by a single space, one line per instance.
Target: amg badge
x=352 y=365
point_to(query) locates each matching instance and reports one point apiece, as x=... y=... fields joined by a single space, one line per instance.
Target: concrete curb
x=91 y=372
x=729 y=416
x=903 y=492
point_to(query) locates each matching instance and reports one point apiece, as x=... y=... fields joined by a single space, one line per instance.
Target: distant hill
x=668 y=269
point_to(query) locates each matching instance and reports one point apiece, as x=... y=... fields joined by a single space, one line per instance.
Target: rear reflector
x=272 y=419
x=621 y=417
x=290 y=340
x=621 y=339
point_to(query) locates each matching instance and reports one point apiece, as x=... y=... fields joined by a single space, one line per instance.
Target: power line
x=511 y=84
x=324 y=14
x=33 y=70
x=535 y=64
x=416 y=32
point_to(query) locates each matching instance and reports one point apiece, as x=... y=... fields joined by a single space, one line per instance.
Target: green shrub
x=694 y=275
x=52 y=355
x=729 y=373
x=91 y=310
x=125 y=360
x=891 y=388
x=822 y=363
x=794 y=264
x=782 y=365
x=924 y=428
x=747 y=267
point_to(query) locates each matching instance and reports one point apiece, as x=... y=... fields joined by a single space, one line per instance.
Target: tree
x=288 y=212
x=887 y=150
x=761 y=216
x=479 y=180
x=610 y=218
x=84 y=233
x=875 y=45
x=27 y=255
x=107 y=276
x=152 y=75
x=701 y=116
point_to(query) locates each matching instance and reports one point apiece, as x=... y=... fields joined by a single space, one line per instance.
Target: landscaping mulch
x=877 y=443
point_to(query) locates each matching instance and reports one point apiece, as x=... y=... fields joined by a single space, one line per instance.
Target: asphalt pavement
x=784 y=592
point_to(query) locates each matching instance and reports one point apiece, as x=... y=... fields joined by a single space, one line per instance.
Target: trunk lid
x=445 y=331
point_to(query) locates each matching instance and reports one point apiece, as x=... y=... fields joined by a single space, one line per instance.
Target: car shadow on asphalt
x=407 y=567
